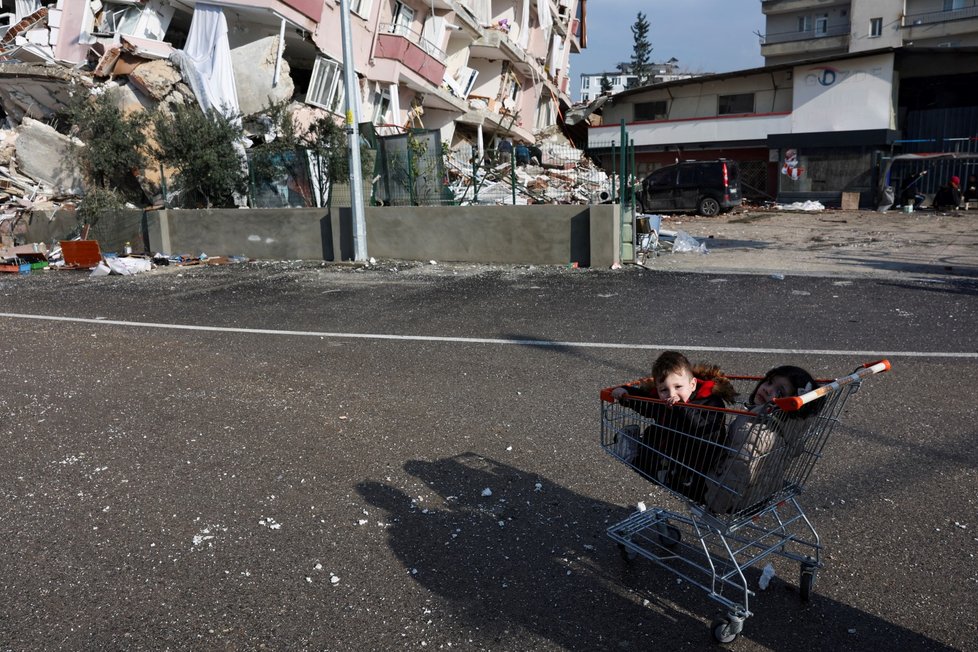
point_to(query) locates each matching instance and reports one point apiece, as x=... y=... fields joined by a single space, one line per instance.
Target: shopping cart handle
x=793 y=403
x=884 y=365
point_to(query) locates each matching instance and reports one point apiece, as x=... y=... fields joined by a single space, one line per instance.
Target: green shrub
x=200 y=146
x=115 y=144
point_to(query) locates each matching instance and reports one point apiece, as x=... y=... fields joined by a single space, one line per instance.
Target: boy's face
x=676 y=386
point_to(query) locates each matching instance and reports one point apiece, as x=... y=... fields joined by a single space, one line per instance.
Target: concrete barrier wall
x=541 y=235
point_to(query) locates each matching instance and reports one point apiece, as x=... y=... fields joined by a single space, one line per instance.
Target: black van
x=707 y=187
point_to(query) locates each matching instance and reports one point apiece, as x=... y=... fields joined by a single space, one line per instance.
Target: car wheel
x=639 y=205
x=709 y=207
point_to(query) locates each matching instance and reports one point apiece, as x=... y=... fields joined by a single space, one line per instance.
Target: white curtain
x=525 y=25
x=545 y=18
x=205 y=60
x=26 y=7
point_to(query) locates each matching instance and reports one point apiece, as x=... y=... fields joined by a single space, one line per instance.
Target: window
x=403 y=17
x=651 y=110
x=821 y=26
x=382 y=106
x=734 y=104
x=360 y=7
x=586 y=82
x=616 y=81
x=952 y=5
x=326 y=85
x=804 y=23
x=875 y=27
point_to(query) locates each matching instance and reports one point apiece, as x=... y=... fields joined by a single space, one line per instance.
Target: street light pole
x=353 y=135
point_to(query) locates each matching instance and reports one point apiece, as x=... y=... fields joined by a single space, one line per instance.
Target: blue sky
x=705 y=35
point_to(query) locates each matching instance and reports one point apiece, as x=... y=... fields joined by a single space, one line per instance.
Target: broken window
x=382 y=107
x=134 y=18
x=326 y=85
x=734 y=104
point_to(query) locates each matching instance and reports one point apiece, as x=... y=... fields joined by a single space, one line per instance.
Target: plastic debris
x=766 y=576
x=685 y=243
x=487 y=491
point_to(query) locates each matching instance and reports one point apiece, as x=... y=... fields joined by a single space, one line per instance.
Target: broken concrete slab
x=155 y=79
x=46 y=155
x=37 y=90
x=254 y=74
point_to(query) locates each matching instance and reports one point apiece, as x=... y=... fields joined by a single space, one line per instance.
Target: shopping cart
x=737 y=474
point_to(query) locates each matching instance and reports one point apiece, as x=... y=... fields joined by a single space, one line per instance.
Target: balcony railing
x=427 y=46
x=931 y=17
x=806 y=35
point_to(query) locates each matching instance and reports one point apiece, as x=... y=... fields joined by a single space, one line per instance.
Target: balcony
x=409 y=49
x=497 y=45
x=818 y=41
x=934 y=17
x=940 y=27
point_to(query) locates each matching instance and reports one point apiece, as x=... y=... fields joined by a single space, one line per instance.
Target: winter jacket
x=759 y=450
x=685 y=443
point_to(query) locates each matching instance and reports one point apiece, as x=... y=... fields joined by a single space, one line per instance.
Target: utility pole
x=353 y=135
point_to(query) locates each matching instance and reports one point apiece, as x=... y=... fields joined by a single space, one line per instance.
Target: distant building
x=802 y=29
x=623 y=78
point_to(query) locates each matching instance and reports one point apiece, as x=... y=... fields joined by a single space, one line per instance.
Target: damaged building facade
x=471 y=71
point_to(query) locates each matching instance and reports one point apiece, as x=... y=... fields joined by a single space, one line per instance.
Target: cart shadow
x=531 y=554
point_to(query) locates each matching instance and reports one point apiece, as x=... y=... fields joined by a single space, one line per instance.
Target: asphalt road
x=324 y=489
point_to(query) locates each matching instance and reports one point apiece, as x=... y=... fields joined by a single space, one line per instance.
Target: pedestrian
x=505 y=150
x=522 y=153
x=948 y=197
x=536 y=155
x=910 y=195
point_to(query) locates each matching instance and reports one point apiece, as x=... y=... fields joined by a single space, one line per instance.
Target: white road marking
x=498 y=341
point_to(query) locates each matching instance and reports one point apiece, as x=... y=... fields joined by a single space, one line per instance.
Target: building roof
x=703 y=79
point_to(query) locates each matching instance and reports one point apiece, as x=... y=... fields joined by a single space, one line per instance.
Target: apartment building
x=802 y=29
x=467 y=68
x=623 y=78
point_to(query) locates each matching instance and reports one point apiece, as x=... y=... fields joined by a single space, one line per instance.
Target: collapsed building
x=467 y=73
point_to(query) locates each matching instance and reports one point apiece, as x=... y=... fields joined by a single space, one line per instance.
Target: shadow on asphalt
x=937 y=269
x=967 y=287
x=578 y=352
x=533 y=556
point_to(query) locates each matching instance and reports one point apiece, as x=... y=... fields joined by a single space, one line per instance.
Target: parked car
x=707 y=187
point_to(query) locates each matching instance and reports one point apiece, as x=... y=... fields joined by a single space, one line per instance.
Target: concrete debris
x=565 y=176
x=45 y=155
x=254 y=75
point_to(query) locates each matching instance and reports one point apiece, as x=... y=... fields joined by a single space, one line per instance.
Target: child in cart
x=758 y=451
x=681 y=448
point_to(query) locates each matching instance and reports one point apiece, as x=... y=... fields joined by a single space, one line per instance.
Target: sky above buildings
x=705 y=35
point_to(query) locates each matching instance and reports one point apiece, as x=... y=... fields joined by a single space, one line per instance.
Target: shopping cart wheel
x=726 y=629
x=806 y=582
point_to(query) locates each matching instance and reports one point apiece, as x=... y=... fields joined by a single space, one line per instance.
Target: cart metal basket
x=737 y=473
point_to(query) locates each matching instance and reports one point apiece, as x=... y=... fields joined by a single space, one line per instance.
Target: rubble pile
x=565 y=175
